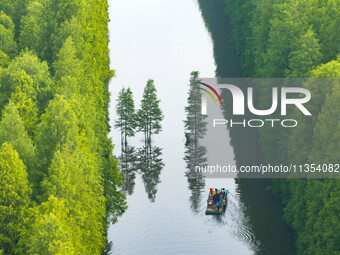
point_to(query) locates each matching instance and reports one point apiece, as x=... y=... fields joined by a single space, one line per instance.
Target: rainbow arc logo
x=209 y=93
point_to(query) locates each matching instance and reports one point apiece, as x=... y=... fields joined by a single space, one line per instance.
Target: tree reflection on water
x=146 y=161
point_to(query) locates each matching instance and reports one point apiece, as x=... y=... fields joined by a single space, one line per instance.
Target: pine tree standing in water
x=195 y=130
x=126 y=115
x=195 y=123
x=149 y=116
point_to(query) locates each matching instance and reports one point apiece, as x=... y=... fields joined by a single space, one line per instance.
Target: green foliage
x=18 y=87
x=257 y=41
x=51 y=231
x=37 y=78
x=328 y=70
x=41 y=25
x=4 y=59
x=126 y=120
x=239 y=12
x=299 y=149
x=55 y=92
x=326 y=142
x=68 y=69
x=70 y=28
x=7 y=43
x=314 y=208
x=58 y=127
x=31 y=28
x=195 y=123
x=305 y=55
x=149 y=116
x=15 y=9
x=73 y=177
x=23 y=98
x=275 y=57
x=12 y=130
x=329 y=29
x=14 y=198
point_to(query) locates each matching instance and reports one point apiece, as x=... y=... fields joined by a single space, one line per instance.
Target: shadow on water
x=263 y=209
x=150 y=165
x=264 y=212
x=218 y=25
x=127 y=161
x=146 y=161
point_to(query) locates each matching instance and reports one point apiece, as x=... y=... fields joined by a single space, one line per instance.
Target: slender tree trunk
x=125 y=141
x=195 y=127
x=121 y=140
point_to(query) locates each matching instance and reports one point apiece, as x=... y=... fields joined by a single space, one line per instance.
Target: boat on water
x=211 y=205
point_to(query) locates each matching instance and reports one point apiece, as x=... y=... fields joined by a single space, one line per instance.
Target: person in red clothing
x=211 y=192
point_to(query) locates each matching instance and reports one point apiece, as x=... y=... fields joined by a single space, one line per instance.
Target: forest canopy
x=60 y=182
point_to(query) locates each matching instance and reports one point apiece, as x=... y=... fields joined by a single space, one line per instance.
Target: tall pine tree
x=149 y=116
x=12 y=130
x=14 y=198
x=126 y=115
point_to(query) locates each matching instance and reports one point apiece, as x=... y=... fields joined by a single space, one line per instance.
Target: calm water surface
x=166 y=40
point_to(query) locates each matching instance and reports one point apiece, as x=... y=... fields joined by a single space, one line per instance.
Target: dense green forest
x=59 y=182
x=298 y=39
